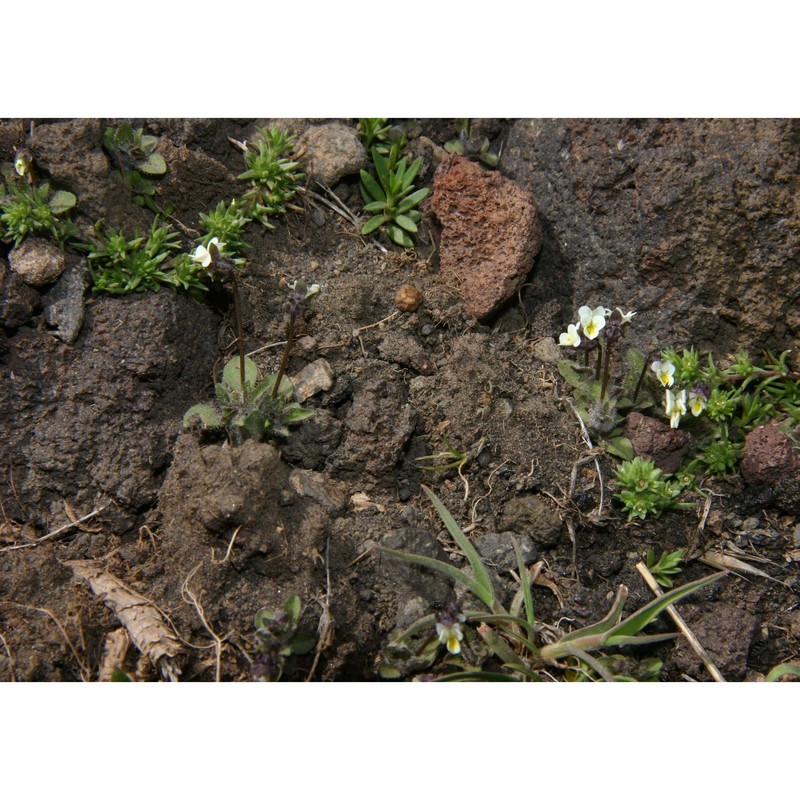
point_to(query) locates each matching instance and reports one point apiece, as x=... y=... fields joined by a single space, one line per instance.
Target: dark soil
x=97 y=424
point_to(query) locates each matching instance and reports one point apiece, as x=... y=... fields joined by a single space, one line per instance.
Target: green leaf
x=153 y=165
x=406 y=223
x=61 y=201
x=293 y=607
x=368 y=182
x=297 y=414
x=372 y=225
x=526 y=584
x=448 y=570
x=302 y=643
x=381 y=167
x=782 y=669
x=411 y=173
x=375 y=207
x=621 y=447
x=399 y=236
x=231 y=374
x=460 y=538
x=118 y=676
x=207 y=415
x=407 y=203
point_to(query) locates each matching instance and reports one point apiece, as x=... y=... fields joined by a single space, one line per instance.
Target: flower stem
x=605 y=372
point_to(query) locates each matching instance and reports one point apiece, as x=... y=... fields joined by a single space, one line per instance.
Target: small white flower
x=202 y=255
x=22 y=163
x=664 y=371
x=625 y=317
x=450 y=635
x=697 y=402
x=315 y=288
x=592 y=320
x=675 y=406
x=570 y=338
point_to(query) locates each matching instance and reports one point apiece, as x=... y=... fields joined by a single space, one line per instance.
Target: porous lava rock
x=653 y=439
x=768 y=455
x=490 y=233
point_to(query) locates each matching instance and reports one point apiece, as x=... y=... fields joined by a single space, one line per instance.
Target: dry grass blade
x=684 y=628
x=723 y=561
x=144 y=622
x=10 y=658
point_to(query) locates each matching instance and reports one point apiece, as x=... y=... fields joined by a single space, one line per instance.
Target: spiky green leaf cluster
x=274 y=177
x=391 y=199
x=666 y=567
x=119 y=265
x=226 y=222
x=32 y=211
x=374 y=132
x=475 y=147
x=645 y=489
x=249 y=411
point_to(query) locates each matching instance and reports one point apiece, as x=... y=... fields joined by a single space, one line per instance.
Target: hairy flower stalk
x=301 y=293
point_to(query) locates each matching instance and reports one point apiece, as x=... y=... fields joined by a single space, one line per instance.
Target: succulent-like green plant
x=645 y=489
x=119 y=265
x=507 y=639
x=391 y=199
x=225 y=223
x=133 y=154
x=273 y=176
x=28 y=210
x=252 y=410
x=278 y=640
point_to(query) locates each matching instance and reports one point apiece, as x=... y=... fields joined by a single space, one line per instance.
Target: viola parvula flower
x=593 y=320
x=448 y=628
x=664 y=371
x=22 y=162
x=570 y=338
x=697 y=401
x=205 y=255
x=675 y=406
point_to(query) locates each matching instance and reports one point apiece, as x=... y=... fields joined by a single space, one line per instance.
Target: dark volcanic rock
x=693 y=223
x=768 y=455
x=490 y=233
x=18 y=301
x=656 y=440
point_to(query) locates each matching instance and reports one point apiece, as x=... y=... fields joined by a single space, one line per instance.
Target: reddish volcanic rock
x=490 y=233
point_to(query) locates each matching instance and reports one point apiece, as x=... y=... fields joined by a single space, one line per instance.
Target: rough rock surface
x=768 y=455
x=18 y=301
x=37 y=261
x=332 y=152
x=656 y=440
x=691 y=222
x=490 y=233
x=535 y=516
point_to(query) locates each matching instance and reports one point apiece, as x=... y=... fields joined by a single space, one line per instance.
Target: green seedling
x=273 y=176
x=391 y=199
x=474 y=147
x=666 y=567
x=119 y=265
x=278 y=640
x=645 y=489
x=134 y=157
x=27 y=210
x=509 y=638
x=249 y=408
x=374 y=133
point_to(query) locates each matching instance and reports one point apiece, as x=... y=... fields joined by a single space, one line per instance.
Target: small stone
x=535 y=516
x=37 y=261
x=329 y=493
x=498 y=549
x=408 y=298
x=796 y=536
x=314 y=378
x=548 y=351
x=656 y=440
x=333 y=151
x=63 y=304
x=18 y=301
x=490 y=233
x=768 y=455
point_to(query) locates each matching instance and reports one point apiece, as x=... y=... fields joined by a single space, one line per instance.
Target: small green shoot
x=474 y=147
x=278 y=640
x=133 y=154
x=27 y=210
x=645 y=489
x=391 y=199
x=666 y=566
